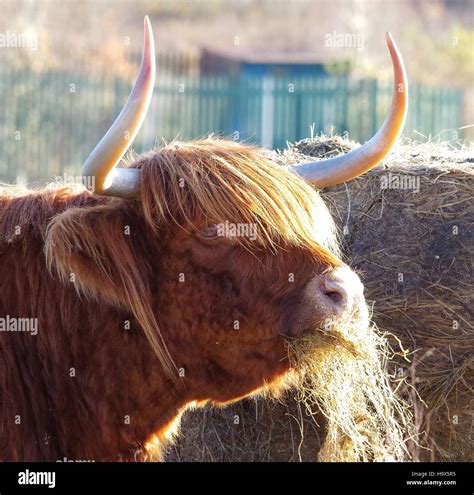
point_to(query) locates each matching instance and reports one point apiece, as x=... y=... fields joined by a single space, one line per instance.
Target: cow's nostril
x=336 y=291
x=339 y=290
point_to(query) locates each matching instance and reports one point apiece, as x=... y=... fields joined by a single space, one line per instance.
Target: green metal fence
x=50 y=121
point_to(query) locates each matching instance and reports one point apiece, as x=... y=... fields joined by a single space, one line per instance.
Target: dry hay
x=414 y=253
x=344 y=375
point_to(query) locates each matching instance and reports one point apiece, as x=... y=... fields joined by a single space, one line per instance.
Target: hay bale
x=253 y=430
x=413 y=249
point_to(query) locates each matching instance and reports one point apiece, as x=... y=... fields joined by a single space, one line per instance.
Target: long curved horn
x=107 y=154
x=325 y=173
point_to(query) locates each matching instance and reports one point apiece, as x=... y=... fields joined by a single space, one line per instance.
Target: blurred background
x=268 y=72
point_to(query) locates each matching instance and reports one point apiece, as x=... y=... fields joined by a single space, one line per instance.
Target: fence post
x=299 y=110
x=373 y=105
x=418 y=106
x=345 y=103
x=267 y=111
x=460 y=108
x=235 y=94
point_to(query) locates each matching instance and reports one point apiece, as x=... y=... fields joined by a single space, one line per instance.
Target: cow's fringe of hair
x=222 y=180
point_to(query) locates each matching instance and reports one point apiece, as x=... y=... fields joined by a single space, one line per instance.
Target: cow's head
x=223 y=257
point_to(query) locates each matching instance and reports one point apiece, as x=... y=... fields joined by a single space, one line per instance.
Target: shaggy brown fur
x=102 y=276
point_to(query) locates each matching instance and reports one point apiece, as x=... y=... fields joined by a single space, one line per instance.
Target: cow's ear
x=93 y=249
x=97 y=250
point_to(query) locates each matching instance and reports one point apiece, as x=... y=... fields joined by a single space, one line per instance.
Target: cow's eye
x=210 y=232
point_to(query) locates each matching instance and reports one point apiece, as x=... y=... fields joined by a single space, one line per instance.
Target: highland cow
x=146 y=305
